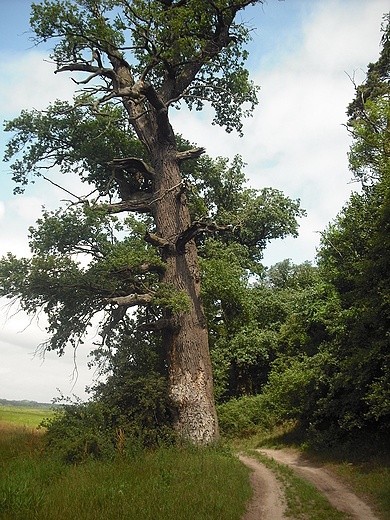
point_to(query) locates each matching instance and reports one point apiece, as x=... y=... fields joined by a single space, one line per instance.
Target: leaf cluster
x=74 y=139
x=71 y=291
x=191 y=50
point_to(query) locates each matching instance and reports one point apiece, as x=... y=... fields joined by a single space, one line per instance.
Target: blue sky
x=295 y=142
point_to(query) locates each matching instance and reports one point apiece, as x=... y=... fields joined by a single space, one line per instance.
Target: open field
x=30 y=417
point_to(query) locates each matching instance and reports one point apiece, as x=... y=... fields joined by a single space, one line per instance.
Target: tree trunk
x=191 y=387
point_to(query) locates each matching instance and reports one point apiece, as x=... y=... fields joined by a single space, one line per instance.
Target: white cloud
x=28 y=81
x=296 y=142
x=24 y=374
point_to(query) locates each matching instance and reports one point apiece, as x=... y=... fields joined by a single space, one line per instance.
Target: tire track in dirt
x=268 y=497
x=328 y=484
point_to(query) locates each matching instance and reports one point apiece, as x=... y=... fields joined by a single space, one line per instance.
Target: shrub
x=244 y=416
x=120 y=421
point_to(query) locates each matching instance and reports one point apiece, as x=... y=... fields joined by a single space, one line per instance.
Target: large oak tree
x=133 y=60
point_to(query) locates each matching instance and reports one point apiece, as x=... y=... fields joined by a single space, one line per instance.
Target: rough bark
x=190 y=374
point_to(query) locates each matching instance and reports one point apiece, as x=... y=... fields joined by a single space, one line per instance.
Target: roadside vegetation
x=70 y=480
x=169 y=482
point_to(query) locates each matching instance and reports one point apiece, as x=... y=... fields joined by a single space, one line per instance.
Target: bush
x=121 y=421
x=244 y=416
x=291 y=390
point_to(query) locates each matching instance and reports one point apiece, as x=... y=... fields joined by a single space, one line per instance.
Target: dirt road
x=268 y=501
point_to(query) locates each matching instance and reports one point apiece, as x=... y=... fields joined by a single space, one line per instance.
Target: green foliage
x=163 y=37
x=332 y=366
x=121 y=421
x=78 y=431
x=293 y=386
x=70 y=293
x=129 y=409
x=244 y=416
x=242 y=338
x=76 y=139
x=252 y=324
x=376 y=83
x=355 y=257
x=369 y=153
x=255 y=216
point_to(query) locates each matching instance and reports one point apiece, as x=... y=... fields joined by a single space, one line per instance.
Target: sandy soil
x=268 y=502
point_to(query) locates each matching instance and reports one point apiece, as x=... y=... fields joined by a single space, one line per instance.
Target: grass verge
x=169 y=483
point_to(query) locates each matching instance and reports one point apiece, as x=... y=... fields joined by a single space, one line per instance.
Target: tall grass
x=174 y=483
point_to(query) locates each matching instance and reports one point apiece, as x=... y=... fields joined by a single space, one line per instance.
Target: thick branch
x=155 y=240
x=139 y=203
x=134 y=163
x=189 y=154
x=152 y=96
x=132 y=300
x=196 y=229
x=158 y=325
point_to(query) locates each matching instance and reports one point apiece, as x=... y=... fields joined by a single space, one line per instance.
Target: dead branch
x=190 y=154
x=132 y=300
x=134 y=163
x=196 y=229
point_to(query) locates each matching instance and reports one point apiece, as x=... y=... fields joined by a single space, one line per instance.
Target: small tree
x=139 y=58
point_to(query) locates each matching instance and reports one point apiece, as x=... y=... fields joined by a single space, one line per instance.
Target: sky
x=302 y=55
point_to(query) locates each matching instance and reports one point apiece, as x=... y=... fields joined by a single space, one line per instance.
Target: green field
x=30 y=417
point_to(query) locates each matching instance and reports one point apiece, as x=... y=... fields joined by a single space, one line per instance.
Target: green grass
x=30 y=417
x=370 y=481
x=171 y=483
x=175 y=483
